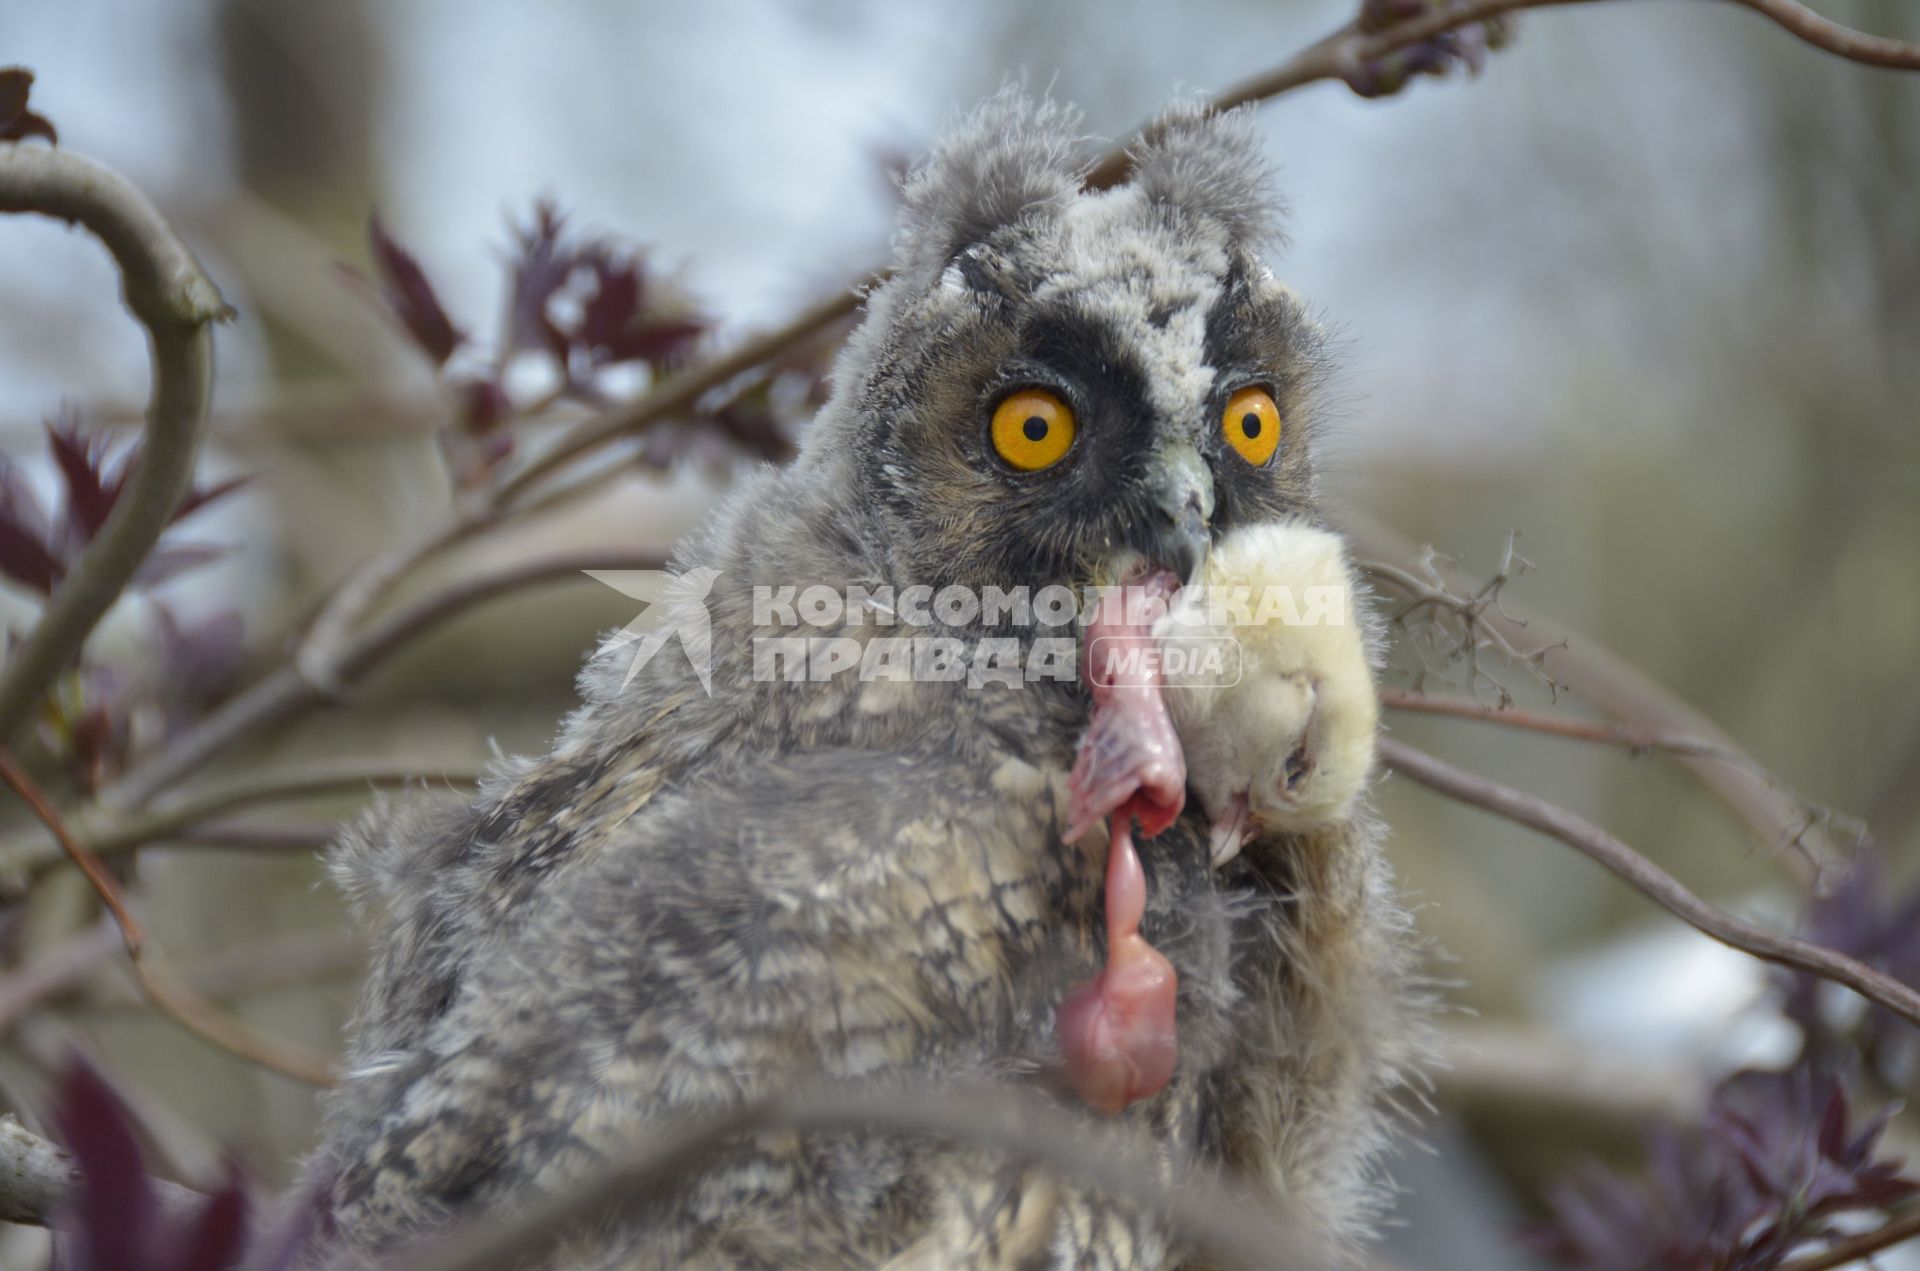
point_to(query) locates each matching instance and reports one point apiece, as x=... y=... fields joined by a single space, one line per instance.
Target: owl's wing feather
x=835 y=912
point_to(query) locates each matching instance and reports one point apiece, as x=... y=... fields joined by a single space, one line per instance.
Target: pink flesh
x=1117 y=1031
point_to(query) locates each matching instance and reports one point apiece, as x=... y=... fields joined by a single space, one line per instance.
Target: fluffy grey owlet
x=898 y=833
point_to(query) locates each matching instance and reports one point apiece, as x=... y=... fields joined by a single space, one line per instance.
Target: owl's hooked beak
x=1176 y=533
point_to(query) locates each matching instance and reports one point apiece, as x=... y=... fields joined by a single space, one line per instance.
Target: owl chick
x=852 y=846
x=1288 y=743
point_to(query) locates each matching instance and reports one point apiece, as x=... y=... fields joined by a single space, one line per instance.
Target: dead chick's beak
x=1231 y=831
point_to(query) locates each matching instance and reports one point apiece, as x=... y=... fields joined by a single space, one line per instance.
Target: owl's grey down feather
x=695 y=898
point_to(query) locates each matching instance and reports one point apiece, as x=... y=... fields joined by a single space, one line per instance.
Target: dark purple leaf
x=542 y=265
x=19 y=504
x=215 y=1240
x=17 y=122
x=114 y=1210
x=483 y=405
x=1776 y=1160
x=199 y=497
x=91 y=489
x=661 y=342
x=29 y=123
x=304 y=1218
x=614 y=307
x=26 y=560
x=411 y=296
x=198 y=663
x=16 y=82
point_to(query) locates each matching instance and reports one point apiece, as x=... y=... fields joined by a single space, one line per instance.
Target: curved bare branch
x=174 y=299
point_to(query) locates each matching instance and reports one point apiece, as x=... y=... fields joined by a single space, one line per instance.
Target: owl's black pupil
x=1250 y=424
x=1035 y=428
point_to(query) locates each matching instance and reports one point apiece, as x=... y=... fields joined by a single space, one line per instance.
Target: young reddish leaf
x=614 y=307
x=662 y=342
x=114 y=1209
x=29 y=123
x=305 y=1219
x=216 y=1238
x=16 y=121
x=16 y=82
x=19 y=504
x=541 y=267
x=26 y=560
x=411 y=296
x=200 y=496
x=91 y=489
x=483 y=405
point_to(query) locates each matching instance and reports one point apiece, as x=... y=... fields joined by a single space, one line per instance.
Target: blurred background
x=1647 y=290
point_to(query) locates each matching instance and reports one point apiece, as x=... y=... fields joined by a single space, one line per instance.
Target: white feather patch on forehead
x=1123 y=267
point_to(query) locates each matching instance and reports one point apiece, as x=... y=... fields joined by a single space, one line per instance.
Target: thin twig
x=319 y=647
x=1202 y=1209
x=1346 y=51
x=287 y=693
x=679 y=392
x=60 y=968
x=1775 y=817
x=1859 y=1248
x=258 y=836
x=1627 y=736
x=172 y=297
x=105 y=836
x=1841 y=41
x=1649 y=879
x=1634 y=738
x=167 y=994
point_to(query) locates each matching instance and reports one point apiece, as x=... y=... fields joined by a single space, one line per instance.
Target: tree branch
x=36 y=1177
x=1649 y=879
x=1346 y=52
x=1859 y=1248
x=1201 y=1209
x=1841 y=41
x=167 y=994
x=172 y=297
x=287 y=693
x=106 y=836
x=1627 y=736
x=1775 y=817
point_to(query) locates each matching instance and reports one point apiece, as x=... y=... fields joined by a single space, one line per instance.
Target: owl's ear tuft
x=1196 y=163
x=1001 y=161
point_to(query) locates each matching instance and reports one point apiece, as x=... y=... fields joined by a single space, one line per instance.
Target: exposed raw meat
x=1117 y=1031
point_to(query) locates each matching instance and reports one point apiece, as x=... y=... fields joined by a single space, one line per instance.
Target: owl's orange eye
x=1251 y=424
x=1032 y=429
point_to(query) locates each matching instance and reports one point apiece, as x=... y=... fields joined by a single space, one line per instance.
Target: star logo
x=676 y=610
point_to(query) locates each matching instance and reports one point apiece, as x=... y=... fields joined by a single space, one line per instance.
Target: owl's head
x=1052 y=377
